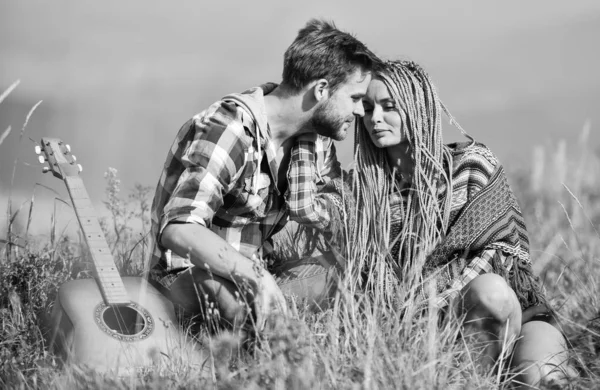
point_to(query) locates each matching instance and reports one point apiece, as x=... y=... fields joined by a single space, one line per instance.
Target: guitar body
x=121 y=338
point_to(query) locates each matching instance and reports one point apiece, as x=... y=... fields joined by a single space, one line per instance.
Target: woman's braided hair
x=424 y=219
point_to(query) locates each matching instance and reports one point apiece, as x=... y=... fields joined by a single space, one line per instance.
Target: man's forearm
x=205 y=248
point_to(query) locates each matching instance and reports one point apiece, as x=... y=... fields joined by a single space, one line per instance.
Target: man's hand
x=268 y=299
x=207 y=250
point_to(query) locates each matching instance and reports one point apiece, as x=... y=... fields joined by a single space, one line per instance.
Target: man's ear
x=321 y=90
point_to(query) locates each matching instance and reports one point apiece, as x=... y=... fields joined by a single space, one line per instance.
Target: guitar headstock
x=58 y=155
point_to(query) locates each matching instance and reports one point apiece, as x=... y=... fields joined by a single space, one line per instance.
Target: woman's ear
x=321 y=90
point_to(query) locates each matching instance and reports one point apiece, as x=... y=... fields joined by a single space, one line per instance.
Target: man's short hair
x=321 y=51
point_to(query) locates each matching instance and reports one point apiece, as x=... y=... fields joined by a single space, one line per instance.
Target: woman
x=447 y=211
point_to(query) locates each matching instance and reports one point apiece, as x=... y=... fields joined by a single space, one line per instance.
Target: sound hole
x=129 y=322
x=124 y=320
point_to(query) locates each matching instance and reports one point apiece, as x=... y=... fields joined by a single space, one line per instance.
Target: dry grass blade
x=5 y=134
x=5 y=242
x=583 y=209
x=28 y=117
x=9 y=90
x=54 y=214
x=16 y=213
x=29 y=217
x=16 y=162
x=53 y=191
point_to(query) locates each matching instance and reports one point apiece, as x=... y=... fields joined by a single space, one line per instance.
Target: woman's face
x=382 y=117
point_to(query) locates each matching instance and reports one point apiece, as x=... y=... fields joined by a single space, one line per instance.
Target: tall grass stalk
x=9 y=90
x=5 y=134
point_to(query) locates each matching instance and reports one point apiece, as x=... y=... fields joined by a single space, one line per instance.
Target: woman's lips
x=378 y=130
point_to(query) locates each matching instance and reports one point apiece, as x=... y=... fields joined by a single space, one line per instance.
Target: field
x=354 y=344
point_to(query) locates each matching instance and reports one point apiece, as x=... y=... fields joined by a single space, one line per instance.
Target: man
x=240 y=169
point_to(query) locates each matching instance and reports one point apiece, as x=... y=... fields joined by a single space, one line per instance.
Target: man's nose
x=359 y=110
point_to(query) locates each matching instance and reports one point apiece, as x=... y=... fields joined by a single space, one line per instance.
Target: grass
x=354 y=344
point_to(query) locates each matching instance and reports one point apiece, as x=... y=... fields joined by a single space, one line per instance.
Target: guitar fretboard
x=109 y=280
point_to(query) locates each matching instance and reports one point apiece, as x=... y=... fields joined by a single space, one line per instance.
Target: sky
x=118 y=78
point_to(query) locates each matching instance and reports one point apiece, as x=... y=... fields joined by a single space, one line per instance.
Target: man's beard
x=325 y=123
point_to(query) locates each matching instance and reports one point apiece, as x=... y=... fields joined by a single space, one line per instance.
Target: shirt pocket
x=254 y=199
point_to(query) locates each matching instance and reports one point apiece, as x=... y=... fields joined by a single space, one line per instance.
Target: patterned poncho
x=486 y=231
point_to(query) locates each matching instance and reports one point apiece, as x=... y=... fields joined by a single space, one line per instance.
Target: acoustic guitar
x=109 y=323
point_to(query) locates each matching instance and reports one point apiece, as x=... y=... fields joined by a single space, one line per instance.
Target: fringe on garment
x=521 y=279
x=517 y=273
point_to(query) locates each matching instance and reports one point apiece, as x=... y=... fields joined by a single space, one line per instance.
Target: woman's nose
x=377 y=116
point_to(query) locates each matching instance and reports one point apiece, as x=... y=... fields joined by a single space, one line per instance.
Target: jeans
x=310 y=281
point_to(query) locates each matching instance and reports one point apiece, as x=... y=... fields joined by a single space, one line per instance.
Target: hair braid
x=424 y=219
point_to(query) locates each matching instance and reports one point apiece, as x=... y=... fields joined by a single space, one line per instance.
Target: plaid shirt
x=476 y=266
x=212 y=177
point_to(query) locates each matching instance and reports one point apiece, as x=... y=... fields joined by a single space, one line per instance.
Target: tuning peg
x=46 y=169
x=80 y=168
x=41 y=159
x=68 y=147
x=38 y=149
x=74 y=158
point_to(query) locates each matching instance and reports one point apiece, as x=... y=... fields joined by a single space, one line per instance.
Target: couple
x=239 y=170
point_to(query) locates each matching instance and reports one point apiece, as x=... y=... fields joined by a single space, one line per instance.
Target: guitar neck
x=108 y=278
